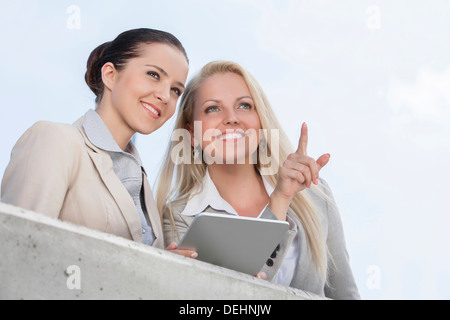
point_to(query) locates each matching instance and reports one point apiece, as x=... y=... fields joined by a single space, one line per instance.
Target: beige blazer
x=55 y=170
x=341 y=284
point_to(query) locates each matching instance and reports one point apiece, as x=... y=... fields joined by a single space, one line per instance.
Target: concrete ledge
x=44 y=258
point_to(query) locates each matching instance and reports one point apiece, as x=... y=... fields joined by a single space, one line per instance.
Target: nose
x=231 y=118
x=162 y=93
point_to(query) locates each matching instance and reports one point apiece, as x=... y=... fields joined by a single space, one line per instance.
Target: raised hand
x=298 y=172
x=301 y=162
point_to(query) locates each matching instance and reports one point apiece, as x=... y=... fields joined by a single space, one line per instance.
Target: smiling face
x=143 y=95
x=230 y=122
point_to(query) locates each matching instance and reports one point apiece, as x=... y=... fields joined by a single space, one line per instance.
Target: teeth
x=231 y=136
x=149 y=108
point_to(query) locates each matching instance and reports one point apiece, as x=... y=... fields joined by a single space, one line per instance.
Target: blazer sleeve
x=341 y=283
x=40 y=169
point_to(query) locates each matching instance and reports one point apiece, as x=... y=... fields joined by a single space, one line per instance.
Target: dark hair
x=125 y=47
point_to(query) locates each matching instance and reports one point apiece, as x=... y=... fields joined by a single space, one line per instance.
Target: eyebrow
x=217 y=101
x=164 y=73
x=244 y=97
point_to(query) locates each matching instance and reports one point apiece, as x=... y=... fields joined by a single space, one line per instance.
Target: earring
x=263 y=144
x=196 y=152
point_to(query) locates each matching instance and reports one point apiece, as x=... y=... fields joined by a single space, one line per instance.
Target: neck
x=120 y=131
x=222 y=174
x=241 y=186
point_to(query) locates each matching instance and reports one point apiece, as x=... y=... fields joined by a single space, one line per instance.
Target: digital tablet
x=239 y=243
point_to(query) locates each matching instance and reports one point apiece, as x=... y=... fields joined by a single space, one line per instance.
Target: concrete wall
x=44 y=258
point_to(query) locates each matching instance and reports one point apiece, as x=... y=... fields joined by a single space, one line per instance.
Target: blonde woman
x=226 y=145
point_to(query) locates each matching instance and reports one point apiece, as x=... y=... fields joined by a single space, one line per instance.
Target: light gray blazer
x=341 y=284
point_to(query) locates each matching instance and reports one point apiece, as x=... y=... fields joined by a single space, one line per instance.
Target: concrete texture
x=44 y=258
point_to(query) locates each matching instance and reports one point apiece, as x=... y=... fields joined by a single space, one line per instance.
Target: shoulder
x=320 y=196
x=174 y=223
x=176 y=208
x=46 y=134
x=322 y=199
x=174 y=216
x=53 y=130
x=46 y=139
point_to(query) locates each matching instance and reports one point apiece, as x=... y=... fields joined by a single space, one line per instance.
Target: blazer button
x=269 y=262
x=273 y=255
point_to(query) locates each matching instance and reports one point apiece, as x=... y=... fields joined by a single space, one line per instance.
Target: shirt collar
x=99 y=135
x=209 y=196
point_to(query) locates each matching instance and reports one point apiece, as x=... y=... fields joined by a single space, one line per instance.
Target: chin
x=236 y=159
x=146 y=130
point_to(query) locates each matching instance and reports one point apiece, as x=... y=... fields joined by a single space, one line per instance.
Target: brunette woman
x=89 y=173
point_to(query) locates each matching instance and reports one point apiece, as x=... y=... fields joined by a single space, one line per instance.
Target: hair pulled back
x=123 y=48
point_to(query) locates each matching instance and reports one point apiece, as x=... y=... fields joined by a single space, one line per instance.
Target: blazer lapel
x=153 y=213
x=104 y=165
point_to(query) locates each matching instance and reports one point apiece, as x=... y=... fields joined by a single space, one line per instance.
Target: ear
x=109 y=75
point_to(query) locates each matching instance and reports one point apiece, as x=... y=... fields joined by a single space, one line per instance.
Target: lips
x=154 y=111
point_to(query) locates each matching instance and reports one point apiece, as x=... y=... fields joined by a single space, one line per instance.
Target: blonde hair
x=189 y=176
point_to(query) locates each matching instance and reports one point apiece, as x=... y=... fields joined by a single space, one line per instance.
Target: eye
x=246 y=106
x=153 y=75
x=212 y=109
x=177 y=91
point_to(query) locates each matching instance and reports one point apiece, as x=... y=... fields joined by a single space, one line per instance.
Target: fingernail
x=316 y=182
x=194 y=255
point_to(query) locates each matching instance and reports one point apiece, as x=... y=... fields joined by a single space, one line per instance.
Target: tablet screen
x=239 y=243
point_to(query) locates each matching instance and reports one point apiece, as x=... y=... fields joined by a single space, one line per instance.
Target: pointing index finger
x=303 y=141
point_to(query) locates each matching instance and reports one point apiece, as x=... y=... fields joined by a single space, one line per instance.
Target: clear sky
x=371 y=79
